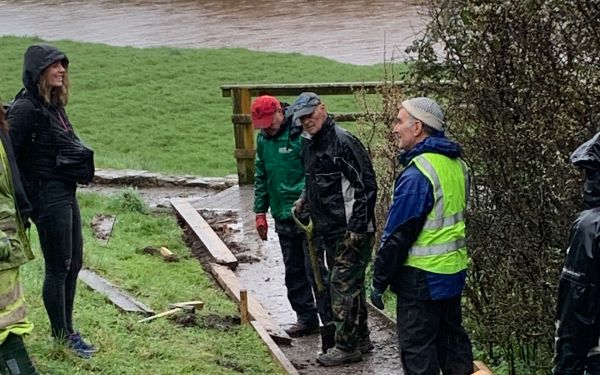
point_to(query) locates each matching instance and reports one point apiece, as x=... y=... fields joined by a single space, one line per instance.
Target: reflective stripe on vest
x=441 y=245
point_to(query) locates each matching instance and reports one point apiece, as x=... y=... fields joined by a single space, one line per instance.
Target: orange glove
x=261 y=226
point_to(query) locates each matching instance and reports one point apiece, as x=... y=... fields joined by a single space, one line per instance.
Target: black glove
x=353 y=239
x=377 y=298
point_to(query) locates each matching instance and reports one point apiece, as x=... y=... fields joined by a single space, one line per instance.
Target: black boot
x=327 y=337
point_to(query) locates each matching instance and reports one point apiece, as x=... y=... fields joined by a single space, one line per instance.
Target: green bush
x=521 y=86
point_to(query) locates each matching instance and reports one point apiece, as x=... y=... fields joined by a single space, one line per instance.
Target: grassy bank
x=161 y=109
x=128 y=347
x=158 y=109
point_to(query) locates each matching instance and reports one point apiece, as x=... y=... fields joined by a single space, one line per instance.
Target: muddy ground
x=261 y=270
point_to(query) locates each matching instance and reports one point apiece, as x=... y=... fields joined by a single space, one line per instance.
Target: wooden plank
x=219 y=251
x=276 y=353
x=481 y=369
x=119 y=298
x=290 y=89
x=231 y=284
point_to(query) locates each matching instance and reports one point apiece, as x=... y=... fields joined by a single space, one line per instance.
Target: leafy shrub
x=521 y=87
x=129 y=199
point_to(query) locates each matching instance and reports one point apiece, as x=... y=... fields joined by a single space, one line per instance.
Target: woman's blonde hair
x=54 y=95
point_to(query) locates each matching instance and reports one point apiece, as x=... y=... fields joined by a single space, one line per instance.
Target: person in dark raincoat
x=577 y=349
x=340 y=192
x=52 y=161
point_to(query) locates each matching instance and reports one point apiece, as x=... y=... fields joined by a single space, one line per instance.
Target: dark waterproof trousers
x=57 y=218
x=347 y=288
x=14 y=359
x=432 y=338
x=299 y=279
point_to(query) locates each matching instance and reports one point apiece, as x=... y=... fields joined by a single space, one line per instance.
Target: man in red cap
x=278 y=182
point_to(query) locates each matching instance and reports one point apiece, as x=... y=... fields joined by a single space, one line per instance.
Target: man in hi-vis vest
x=423 y=254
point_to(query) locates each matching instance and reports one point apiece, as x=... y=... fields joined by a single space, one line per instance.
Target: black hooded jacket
x=38 y=131
x=578 y=312
x=340 y=186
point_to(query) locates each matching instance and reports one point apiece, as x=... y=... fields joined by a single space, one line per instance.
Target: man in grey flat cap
x=423 y=255
x=340 y=192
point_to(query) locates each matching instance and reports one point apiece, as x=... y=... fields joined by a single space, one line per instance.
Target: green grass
x=161 y=109
x=128 y=347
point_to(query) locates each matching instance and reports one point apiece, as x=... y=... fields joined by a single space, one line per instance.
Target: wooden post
x=244 y=316
x=244 y=135
x=242 y=121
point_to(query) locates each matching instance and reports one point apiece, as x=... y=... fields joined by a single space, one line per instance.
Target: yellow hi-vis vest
x=441 y=245
x=13 y=311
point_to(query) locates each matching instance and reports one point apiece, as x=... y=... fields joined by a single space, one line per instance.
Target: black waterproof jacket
x=340 y=186
x=37 y=131
x=578 y=312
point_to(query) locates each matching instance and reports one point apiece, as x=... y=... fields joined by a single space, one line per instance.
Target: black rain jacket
x=340 y=186
x=578 y=311
x=37 y=131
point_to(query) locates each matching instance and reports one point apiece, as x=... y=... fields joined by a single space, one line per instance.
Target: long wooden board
x=231 y=284
x=276 y=353
x=121 y=299
x=218 y=250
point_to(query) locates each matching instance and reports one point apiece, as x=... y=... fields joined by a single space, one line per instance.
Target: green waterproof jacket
x=12 y=229
x=279 y=176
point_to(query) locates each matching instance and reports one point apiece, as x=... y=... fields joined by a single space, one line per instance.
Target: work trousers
x=432 y=338
x=299 y=279
x=347 y=288
x=58 y=222
x=14 y=359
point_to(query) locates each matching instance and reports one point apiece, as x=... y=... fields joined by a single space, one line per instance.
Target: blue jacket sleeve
x=413 y=200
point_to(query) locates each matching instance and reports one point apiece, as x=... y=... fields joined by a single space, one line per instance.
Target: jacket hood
x=437 y=143
x=587 y=157
x=36 y=59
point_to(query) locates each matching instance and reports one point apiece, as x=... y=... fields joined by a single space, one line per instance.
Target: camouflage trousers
x=347 y=278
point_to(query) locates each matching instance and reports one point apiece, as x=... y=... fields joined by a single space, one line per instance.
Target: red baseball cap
x=263 y=110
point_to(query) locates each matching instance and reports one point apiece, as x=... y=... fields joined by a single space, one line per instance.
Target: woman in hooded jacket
x=52 y=160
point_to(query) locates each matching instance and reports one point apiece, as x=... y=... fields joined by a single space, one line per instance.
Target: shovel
x=312 y=251
x=328 y=330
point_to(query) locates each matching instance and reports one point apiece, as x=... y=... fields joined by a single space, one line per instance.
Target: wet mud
x=102 y=226
x=264 y=279
x=261 y=271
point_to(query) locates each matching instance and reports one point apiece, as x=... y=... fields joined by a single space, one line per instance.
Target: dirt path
x=261 y=271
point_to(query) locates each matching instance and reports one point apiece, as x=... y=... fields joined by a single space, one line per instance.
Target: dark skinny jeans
x=58 y=221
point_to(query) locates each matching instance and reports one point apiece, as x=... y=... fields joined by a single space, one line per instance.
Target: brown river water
x=352 y=31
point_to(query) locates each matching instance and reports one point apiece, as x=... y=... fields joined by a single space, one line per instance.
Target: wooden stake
x=244 y=316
